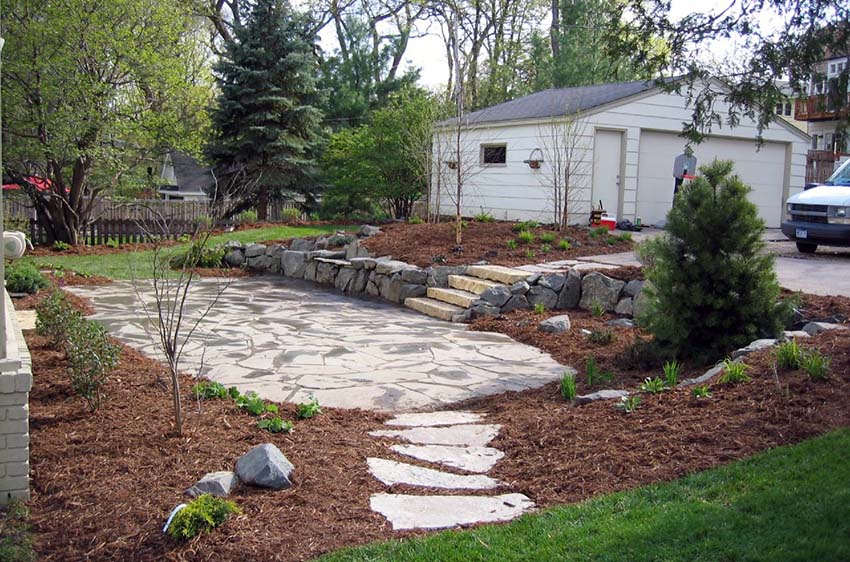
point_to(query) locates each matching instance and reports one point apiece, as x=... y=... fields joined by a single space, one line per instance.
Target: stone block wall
x=15 y=384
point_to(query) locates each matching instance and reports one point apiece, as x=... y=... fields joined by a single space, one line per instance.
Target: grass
x=789 y=504
x=15 y=540
x=123 y=265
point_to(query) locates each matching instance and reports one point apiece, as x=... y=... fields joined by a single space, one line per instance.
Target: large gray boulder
x=339 y=240
x=570 y=292
x=601 y=289
x=326 y=254
x=302 y=245
x=235 y=258
x=414 y=276
x=388 y=267
x=366 y=231
x=555 y=325
x=311 y=270
x=438 y=276
x=520 y=288
x=294 y=263
x=260 y=263
x=255 y=250
x=483 y=310
x=344 y=278
x=391 y=288
x=755 y=345
x=496 y=296
x=214 y=483
x=601 y=395
x=539 y=294
x=814 y=328
x=641 y=301
x=411 y=290
x=359 y=283
x=266 y=467
x=326 y=273
x=625 y=307
x=517 y=302
x=554 y=281
x=355 y=250
x=633 y=287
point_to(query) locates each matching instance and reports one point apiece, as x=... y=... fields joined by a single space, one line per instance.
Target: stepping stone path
x=456 y=440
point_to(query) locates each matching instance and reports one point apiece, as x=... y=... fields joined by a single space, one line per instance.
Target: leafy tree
x=712 y=289
x=266 y=122
x=94 y=92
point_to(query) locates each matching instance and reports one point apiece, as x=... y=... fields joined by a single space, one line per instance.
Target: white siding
x=515 y=191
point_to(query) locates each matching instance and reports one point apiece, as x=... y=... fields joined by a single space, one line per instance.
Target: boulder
x=260 y=263
x=754 y=346
x=359 y=283
x=326 y=273
x=235 y=258
x=255 y=250
x=234 y=244
x=571 y=291
x=387 y=267
x=326 y=254
x=601 y=395
x=555 y=325
x=517 y=302
x=214 y=483
x=792 y=334
x=321 y=243
x=539 y=294
x=411 y=290
x=814 y=328
x=496 y=296
x=359 y=263
x=340 y=240
x=355 y=250
x=301 y=245
x=391 y=288
x=480 y=310
x=554 y=281
x=311 y=270
x=344 y=278
x=373 y=289
x=641 y=301
x=625 y=307
x=414 y=276
x=601 y=289
x=366 y=231
x=294 y=263
x=633 y=287
x=520 y=288
x=438 y=276
x=265 y=466
x=621 y=323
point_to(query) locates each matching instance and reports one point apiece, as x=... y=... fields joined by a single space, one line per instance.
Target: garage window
x=494 y=154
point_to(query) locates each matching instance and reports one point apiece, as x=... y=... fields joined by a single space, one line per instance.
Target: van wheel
x=806 y=247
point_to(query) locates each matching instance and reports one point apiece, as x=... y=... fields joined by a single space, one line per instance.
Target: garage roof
x=559 y=101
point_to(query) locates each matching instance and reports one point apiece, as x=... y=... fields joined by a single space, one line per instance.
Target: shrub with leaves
x=711 y=289
x=525 y=225
x=307 y=410
x=201 y=515
x=254 y=405
x=511 y=244
x=701 y=391
x=199 y=255
x=734 y=372
x=602 y=337
x=816 y=365
x=60 y=246
x=594 y=374
x=484 y=217
x=599 y=232
x=568 y=386
x=539 y=308
x=275 y=425
x=209 y=390
x=789 y=355
x=91 y=357
x=248 y=216
x=24 y=277
x=547 y=237
x=597 y=310
x=564 y=245
x=54 y=317
x=545 y=248
x=628 y=404
x=653 y=386
x=671 y=373
x=525 y=237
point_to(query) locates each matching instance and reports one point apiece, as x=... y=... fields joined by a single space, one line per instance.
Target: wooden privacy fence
x=122 y=231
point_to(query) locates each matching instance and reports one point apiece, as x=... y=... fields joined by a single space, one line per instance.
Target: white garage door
x=762 y=169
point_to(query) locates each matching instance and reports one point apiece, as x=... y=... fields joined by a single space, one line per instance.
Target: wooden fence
x=121 y=231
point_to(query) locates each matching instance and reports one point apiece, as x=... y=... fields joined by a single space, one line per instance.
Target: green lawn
x=137 y=264
x=791 y=503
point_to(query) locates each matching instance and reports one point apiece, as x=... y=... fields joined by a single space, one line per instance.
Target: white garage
x=625 y=138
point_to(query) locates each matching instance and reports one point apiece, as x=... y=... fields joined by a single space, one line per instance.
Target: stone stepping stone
x=470 y=459
x=406 y=512
x=464 y=435
x=435 y=419
x=393 y=472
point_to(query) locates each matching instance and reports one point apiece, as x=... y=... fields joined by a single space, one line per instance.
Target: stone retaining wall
x=15 y=384
x=340 y=261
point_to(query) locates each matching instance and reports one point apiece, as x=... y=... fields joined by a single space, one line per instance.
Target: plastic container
x=608 y=222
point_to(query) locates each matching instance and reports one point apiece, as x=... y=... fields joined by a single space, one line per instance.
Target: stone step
x=432 y=307
x=434 y=419
x=499 y=273
x=467 y=435
x=441 y=512
x=456 y=297
x=394 y=472
x=470 y=459
x=471 y=284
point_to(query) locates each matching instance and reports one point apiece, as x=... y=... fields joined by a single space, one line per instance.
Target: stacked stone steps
x=463 y=291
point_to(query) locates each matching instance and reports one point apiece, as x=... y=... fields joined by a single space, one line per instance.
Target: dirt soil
x=430 y=244
x=104 y=482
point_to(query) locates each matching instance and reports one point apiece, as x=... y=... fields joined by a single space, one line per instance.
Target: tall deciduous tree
x=266 y=121
x=92 y=89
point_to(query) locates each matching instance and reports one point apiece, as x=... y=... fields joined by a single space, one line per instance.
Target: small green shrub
x=612 y=240
x=545 y=248
x=671 y=373
x=275 y=425
x=199 y=255
x=789 y=355
x=734 y=373
x=54 y=317
x=568 y=386
x=628 y=404
x=184 y=238
x=307 y=410
x=60 y=246
x=547 y=237
x=597 y=310
x=602 y=337
x=526 y=225
x=418 y=220
x=594 y=374
x=112 y=243
x=701 y=391
x=539 y=308
x=201 y=515
x=816 y=365
x=564 y=245
x=529 y=254
x=599 y=232
x=23 y=277
x=484 y=217
x=525 y=237
x=91 y=357
x=209 y=390
x=254 y=405
x=248 y=216
x=290 y=215
x=511 y=244
x=653 y=386
x=625 y=237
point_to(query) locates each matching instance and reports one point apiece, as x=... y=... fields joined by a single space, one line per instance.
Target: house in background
x=182 y=178
x=787 y=109
x=823 y=108
x=628 y=136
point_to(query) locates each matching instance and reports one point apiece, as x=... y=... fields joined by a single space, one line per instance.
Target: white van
x=820 y=215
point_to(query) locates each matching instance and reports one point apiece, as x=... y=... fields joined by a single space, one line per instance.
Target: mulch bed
x=104 y=482
x=434 y=244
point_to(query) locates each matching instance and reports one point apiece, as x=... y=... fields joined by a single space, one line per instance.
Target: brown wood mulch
x=434 y=244
x=104 y=482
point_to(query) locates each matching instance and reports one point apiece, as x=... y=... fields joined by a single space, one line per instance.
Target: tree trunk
x=555 y=29
x=263 y=204
x=178 y=405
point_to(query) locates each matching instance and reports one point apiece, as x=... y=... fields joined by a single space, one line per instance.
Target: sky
x=428 y=53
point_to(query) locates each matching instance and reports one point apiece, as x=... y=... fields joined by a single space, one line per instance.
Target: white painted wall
x=515 y=191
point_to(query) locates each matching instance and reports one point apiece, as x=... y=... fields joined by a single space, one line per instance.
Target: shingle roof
x=560 y=101
x=191 y=176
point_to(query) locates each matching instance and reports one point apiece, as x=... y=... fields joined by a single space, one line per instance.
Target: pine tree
x=712 y=290
x=266 y=121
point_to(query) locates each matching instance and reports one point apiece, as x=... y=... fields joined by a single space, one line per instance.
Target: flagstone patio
x=289 y=340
